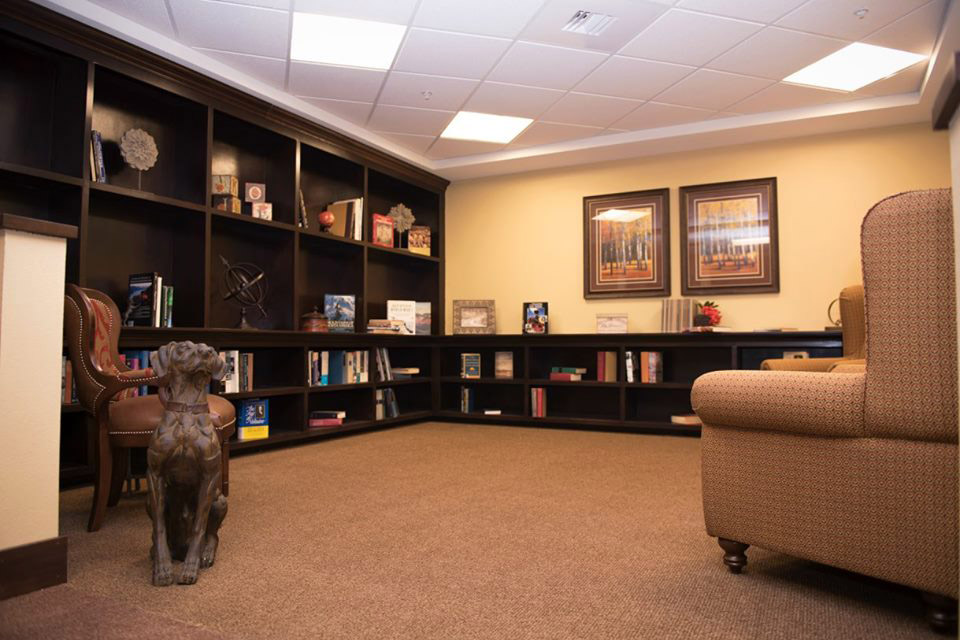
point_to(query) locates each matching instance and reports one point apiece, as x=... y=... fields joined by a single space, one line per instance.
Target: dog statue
x=183 y=464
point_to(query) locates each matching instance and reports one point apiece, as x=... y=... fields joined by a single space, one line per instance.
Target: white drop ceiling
x=666 y=75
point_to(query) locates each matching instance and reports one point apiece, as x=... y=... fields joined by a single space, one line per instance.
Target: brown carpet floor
x=461 y=531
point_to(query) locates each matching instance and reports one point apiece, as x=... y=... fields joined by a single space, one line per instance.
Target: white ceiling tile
x=449 y=54
x=586 y=109
x=408 y=90
x=272 y=71
x=444 y=148
x=545 y=66
x=266 y=4
x=548 y=132
x=232 y=27
x=776 y=53
x=714 y=90
x=765 y=11
x=787 y=96
x=505 y=18
x=907 y=81
x=339 y=83
x=836 y=17
x=424 y=122
x=512 y=99
x=916 y=32
x=632 y=78
x=633 y=16
x=355 y=112
x=652 y=115
x=418 y=144
x=685 y=37
x=393 y=11
x=149 y=13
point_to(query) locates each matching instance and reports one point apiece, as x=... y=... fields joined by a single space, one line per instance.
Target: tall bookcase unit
x=60 y=80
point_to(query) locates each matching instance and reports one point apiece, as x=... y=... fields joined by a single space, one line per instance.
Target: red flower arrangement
x=712 y=311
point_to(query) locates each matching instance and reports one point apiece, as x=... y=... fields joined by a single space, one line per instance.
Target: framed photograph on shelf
x=728 y=238
x=474 y=316
x=612 y=322
x=382 y=230
x=535 y=318
x=626 y=244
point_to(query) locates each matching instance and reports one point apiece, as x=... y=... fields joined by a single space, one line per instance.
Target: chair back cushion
x=908 y=277
x=854 y=322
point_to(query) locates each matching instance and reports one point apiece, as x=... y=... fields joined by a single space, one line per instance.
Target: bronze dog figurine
x=183 y=464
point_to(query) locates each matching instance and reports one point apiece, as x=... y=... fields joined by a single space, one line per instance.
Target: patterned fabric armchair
x=854 y=340
x=859 y=470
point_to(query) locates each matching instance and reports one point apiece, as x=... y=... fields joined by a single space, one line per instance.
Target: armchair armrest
x=799 y=364
x=123 y=380
x=820 y=404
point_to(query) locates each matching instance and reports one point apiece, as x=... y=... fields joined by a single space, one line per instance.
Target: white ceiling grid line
x=662 y=65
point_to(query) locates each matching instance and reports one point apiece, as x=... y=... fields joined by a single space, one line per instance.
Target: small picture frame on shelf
x=612 y=322
x=535 y=318
x=474 y=317
x=382 y=230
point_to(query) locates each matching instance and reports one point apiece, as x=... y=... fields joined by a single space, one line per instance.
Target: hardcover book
x=404 y=311
x=469 y=365
x=341 y=312
x=142 y=297
x=382 y=230
x=503 y=364
x=424 y=318
x=253 y=419
x=535 y=317
x=418 y=240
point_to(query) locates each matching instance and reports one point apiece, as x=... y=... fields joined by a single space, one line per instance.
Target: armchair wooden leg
x=121 y=463
x=941 y=613
x=101 y=488
x=734 y=555
x=225 y=468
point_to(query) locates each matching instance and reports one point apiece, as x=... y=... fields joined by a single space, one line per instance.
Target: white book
x=629 y=362
x=157 y=297
x=404 y=311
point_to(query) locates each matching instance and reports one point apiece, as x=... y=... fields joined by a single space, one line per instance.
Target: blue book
x=335 y=374
x=253 y=419
x=341 y=312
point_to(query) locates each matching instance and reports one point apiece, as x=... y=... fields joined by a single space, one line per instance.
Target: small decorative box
x=254 y=192
x=226 y=186
x=263 y=210
x=228 y=203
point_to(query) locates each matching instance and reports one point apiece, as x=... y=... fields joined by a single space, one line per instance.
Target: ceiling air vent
x=589 y=23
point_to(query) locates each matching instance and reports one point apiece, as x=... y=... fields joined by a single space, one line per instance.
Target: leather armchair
x=853 y=325
x=859 y=470
x=106 y=388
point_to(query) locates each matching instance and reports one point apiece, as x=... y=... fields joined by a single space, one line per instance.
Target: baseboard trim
x=33 y=566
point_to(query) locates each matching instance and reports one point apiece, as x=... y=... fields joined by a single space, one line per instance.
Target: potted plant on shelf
x=708 y=315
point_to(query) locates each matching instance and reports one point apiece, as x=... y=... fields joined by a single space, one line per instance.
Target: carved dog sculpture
x=183 y=464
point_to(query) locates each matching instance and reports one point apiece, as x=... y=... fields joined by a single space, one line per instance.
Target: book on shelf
x=676 y=314
x=382 y=232
x=68 y=385
x=578 y=370
x=406 y=312
x=645 y=366
x=98 y=171
x=404 y=373
x=253 y=419
x=469 y=365
x=136 y=360
x=144 y=292
x=565 y=377
x=341 y=312
x=423 y=318
x=688 y=419
x=467 y=398
x=347 y=218
x=418 y=240
x=324 y=419
x=302 y=220
x=606 y=366
x=166 y=306
x=538 y=402
x=382 y=362
x=492 y=412
x=503 y=365
x=383 y=326
x=386 y=404
x=338 y=367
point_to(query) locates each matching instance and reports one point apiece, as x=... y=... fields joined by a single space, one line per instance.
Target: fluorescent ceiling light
x=854 y=66
x=344 y=41
x=484 y=127
x=622 y=215
x=588 y=23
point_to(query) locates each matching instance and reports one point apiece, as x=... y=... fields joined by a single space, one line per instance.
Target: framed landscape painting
x=626 y=244
x=728 y=238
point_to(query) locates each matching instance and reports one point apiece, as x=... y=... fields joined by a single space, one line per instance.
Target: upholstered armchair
x=853 y=325
x=857 y=470
x=106 y=390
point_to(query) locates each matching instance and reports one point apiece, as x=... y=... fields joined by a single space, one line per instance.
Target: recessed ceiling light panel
x=590 y=23
x=484 y=127
x=344 y=41
x=854 y=66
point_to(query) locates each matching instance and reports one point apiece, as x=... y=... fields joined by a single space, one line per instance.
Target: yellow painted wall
x=518 y=237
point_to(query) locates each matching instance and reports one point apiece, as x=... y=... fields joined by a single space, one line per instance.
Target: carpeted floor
x=460 y=531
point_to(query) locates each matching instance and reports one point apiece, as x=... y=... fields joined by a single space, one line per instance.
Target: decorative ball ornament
x=402 y=218
x=326 y=219
x=138 y=148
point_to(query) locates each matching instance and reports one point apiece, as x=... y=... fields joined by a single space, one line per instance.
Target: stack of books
x=538 y=402
x=606 y=366
x=567 y=374
x=645 y=366
x=404 y=373
x=325 y=419
x=239 y=372
x=149 y=302
x=386 y=327
x=337 y=367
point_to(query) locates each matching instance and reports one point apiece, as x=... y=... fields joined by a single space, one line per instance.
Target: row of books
x=606 y=366
x=567 y=374
x=347 y=218
x=253 y=419
x=468 y=397
x=676 y=314
x=538 y=402
x=239 y=372
x=387 y=406
x=137 y=360
x=149 y=302
x=98 y=171
x=645 y=366
x=68 y=386
x=326 y=419
x=337 y=367
x=470 y=365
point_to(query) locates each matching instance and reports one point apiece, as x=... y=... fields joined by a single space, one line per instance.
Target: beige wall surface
x=31 y=344
x=519 y=238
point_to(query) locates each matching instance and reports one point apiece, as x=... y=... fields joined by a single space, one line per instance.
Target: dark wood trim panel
x=948 y=99
x=39 y=227
x=106 y=50
x=33 y=566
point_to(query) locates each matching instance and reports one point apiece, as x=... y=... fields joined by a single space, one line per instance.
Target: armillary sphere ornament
x=245 y=284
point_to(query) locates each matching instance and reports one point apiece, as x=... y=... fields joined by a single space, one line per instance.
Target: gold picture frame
x=474 y=317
